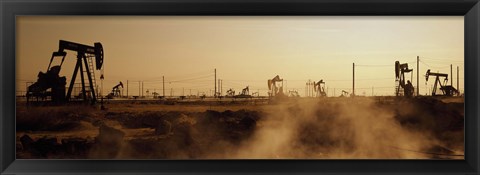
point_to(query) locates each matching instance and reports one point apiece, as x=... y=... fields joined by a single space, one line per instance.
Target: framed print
x=240 y=87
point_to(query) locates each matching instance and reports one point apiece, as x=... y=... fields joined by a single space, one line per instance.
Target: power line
x=182 y=75
x=371 y=65
x=186 y=79
x=360 y=79
x=435 y=67
x=379 y=65
x=443 y=60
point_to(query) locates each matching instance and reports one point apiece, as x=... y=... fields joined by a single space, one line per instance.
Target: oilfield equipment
x=230 y=93
x=273 y=87
x=344 y=93
x=49 y=81
x=155 y=94
x=116 y=91
x=447 y=90
x=244 y=94
x=50 y=86
x=319 y=89
x=407 y=87
x=293 y=93
x=245 y=91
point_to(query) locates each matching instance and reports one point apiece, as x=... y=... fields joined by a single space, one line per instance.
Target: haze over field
x=247 y=50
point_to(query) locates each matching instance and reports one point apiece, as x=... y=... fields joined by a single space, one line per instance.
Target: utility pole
x=458 y=85
x=127 y=88
x=219 y=86
x=418 y=68
x=353 y=89
x=451 y=75
x=215 y=93
x=139 y=88
x=142 y=88
x=163 y=81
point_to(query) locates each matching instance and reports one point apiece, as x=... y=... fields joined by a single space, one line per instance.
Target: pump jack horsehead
x=272 y=87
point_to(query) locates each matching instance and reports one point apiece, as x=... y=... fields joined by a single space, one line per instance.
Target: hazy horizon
x=247 y=51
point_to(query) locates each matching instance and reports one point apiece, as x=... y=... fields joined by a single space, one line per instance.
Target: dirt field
x=321 y=128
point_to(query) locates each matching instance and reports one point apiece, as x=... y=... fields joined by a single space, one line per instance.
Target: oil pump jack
x=446 y=89
x=116 y=92
x=293 y=93
x=400 y=70
x=244 y=94
x=319 y=88
x=344 y=93
x=51 y=80
x=230 y=93
x=245 y=91
x=272 y=86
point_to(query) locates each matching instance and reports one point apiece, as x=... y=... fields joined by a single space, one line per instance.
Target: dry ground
x=338 y=128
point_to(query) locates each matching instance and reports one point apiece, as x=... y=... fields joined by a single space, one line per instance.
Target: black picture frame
x=9 y=9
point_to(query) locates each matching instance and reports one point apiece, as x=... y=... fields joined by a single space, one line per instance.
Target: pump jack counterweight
x=51 y=79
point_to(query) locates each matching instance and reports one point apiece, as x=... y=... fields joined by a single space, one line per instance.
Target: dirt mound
x=146 y=119
x=52 y=119
x=108 y=143
x=433 y=116
x=182 y=134
x=48 y=147
x=228 y=125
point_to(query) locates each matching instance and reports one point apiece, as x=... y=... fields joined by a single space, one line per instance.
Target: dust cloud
x=357 y=129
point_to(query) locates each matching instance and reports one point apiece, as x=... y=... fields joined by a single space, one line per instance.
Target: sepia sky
x=246 y=50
